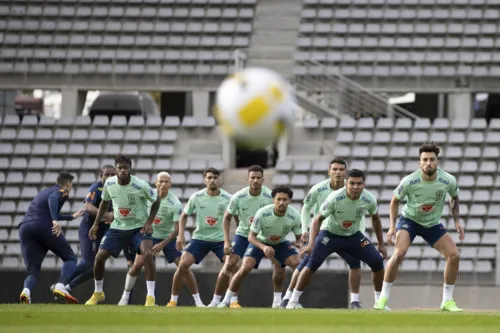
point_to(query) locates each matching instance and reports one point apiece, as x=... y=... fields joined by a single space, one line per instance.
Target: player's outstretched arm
x=377 y=227
x=227 y=229
x=393 y=215
x=306 y=220
x=455 y=212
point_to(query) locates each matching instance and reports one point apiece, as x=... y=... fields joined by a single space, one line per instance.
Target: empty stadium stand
x=32 y=151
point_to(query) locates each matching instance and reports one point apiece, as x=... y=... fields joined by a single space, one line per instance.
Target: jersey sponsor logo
x=131 y=199
x=111 y=182
x=232 y=205
x=322 y=189
x=221 y=209
x=290 y=216
x=415 y=181
x=346 y=224
x=426 y=208
x=365 y=200
x=241 y=196
x=257 y=221
x=151 y=192
x=444 y=181
x=400 y=189
x=124 y=211
x=439 y=195
x=274 y=238
x=134 y=185
x=157 y=220
x=309 y=197
x=267 y=214
x=325 y=240
x=211 y=221
x=342 y=197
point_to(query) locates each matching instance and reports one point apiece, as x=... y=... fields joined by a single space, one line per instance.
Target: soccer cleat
x=235 y=305
x=150 y=301
x=450 y=306
x=356 y=306
x=201 y=305
x=276 y=306
x=123 y=301
x=381 y=303
x=65 y=296
x=24 y=298
x=284 y=303
x=171 y=304
x=223 y=305
x=96 y=298
x=294 y=305
x=213 y=304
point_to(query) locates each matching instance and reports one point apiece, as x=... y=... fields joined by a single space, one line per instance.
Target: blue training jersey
x=94 y=197
x=46 y=207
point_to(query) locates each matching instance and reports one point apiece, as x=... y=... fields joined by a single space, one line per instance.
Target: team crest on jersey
x=221 y=209
x=124 y=211
x=286 y=229
x=360 y=212
x=346 y=224
x=274 y=238
x=164 y=210
x=157 y=220
x=211 y=221
x=131 y=199
x=439 y=195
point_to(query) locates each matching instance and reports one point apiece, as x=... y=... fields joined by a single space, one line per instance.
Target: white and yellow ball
x=254 y=107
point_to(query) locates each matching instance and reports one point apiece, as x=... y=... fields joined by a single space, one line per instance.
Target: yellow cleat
x=172 y=304
x=235 y=305
x=96 y=298
x=150 y=301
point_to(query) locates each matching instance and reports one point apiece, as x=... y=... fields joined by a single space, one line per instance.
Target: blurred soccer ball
x=254 y=107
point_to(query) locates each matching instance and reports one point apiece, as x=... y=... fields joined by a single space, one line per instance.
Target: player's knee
x=148 y=255
x=453 y=256
x=354 y=265
x=398 y=255
x=184 y=265
x=312 y=265
x=293 y=263
x=376 y=265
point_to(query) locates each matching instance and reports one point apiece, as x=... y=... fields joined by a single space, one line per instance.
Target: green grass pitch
x=49 y=318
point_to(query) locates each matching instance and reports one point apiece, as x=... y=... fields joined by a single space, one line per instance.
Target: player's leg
x=131 y=278
x=438 y=238
x=61 y=248
x=228 y=269
x=279 y=274
x=88 y=249
x=293 y=281
x=193 y=253
x=405 y=234
x=33 y=254
x=354 y=278
x=325 y=244
x=111 y=245
x=251 y=260
x=145 y=245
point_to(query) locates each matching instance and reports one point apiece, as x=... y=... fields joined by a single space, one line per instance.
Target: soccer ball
x=254 y=107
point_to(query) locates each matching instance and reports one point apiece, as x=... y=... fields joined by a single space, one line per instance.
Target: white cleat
x=123 y=301
x=201 y=305
x=213 y=304
x=294 y=305
x=276 y=305
x=387 y=308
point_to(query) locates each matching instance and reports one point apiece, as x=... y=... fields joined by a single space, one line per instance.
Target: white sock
x=130 y=282
x=27 y=292
x=377 y=295
x=288 y=294
x=354 y=297
x=98 y=286
x=277 y=298
x=216 y=299
x=68 y=288
x=59 y=286
x=234 y=299
x=126 y=294
x=174 y=298
x=386 y=289
x=197 y=299
x=229 y=295
x=150 y=285
x=295 y=296
x=448 y=292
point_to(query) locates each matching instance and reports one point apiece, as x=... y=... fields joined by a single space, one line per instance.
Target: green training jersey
x=169 y=212
x=316 y=196
x=425 y=200
x=272 y=229
x=129 y=202
x=343 y=215
x=209 y=214
x=245 y=206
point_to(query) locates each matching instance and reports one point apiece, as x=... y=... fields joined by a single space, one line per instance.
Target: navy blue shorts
x=281 y=252
x=115 y=240
x=304 y=260
x=351 y=261
x=88 y=247
x=240 y=245
x=199 y=249
x=430 y=235
x=357 y=246
x=169 y=250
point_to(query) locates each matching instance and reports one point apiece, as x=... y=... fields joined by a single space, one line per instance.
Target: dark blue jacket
x=46 y=207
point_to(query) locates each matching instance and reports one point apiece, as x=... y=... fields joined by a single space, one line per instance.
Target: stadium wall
x=328 y=290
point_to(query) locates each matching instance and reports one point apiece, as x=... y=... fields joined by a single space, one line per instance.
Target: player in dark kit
x=88 y=247
x=40 y=232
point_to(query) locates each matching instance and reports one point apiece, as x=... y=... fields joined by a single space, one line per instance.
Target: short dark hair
x=123 y=159
x=107 y=166
x=427 y=147
x=64 y=178
x=212 y=170
x=282 y=189
x=337 y=160
x=355 y=173
x=256 y=168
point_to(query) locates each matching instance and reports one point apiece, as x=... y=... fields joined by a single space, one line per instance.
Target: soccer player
x=425 y=191
x=316 y=196
x=340 y=216
x=131 y=224
x=88 y=248
x=270 y=226
x=40 y=232
x=244 y=205
x=210 y=205
x=165 y=230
